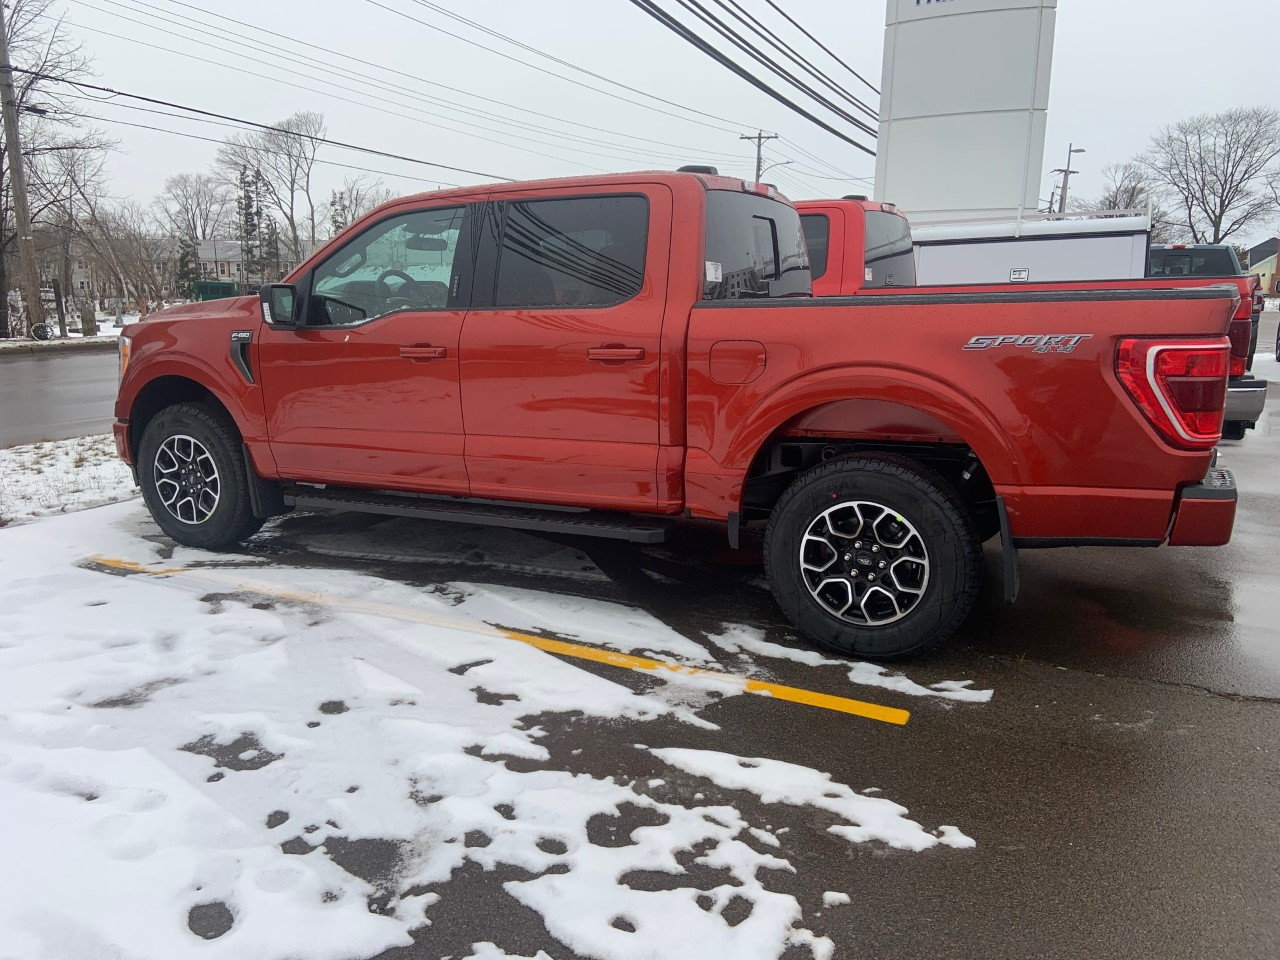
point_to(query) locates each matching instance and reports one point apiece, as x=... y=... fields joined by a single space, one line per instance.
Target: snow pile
x=186 y=772
x=39 y=479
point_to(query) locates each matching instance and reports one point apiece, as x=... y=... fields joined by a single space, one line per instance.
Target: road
x=56 y=396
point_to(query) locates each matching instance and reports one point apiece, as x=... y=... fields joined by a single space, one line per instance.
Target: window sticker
x=715 y=273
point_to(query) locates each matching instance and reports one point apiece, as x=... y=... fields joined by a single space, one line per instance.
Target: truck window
x=398 y=264
x=817 y=237
x=581 y=251
x=1194 y=262
x=889 y=254
x=755 y=248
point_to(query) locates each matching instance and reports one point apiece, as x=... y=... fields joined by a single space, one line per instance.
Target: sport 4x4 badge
x=1037 y=342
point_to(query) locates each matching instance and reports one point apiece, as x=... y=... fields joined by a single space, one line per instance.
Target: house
x=1262 y=251
x=1266 y=271
x=219 y=259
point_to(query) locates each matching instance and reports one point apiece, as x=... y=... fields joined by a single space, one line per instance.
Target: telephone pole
x=28 y=271
x=1066 y=176
x=759 y=137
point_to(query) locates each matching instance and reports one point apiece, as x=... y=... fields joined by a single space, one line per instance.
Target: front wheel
x=873 y=556
x=193 y=479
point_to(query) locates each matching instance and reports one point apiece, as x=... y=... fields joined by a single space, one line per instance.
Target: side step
x=487 y=513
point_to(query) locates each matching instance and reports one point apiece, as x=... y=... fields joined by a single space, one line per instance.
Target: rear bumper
x=1205 y=512
x=1245 y=399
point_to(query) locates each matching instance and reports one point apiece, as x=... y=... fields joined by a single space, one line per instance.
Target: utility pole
x=1066 y=176
x=760 y=137
x=27 y=269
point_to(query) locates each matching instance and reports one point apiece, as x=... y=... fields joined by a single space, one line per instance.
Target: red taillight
x=1239 y=333
x=1179 y=385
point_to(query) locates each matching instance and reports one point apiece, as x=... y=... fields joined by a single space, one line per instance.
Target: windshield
x=755 y=248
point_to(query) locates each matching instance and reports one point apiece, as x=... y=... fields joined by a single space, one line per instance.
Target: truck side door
x=366 y=391
x=561 y=351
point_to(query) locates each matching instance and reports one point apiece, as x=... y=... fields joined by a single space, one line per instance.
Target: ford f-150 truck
x=862 y=246
x=600 y=355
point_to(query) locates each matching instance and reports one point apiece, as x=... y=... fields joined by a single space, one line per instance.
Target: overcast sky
x=1121 y=69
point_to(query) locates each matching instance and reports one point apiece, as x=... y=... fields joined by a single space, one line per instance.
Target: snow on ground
x=187 y=772
x=39 y=479
x=1265 y=364
x=738 y=638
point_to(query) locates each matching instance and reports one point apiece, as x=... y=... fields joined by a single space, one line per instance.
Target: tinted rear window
x=755 y=248
x=817 y=236
x=889 y=254
x=1194 y=262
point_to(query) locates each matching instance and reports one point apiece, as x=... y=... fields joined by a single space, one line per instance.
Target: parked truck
x=602 y=355
x=862 y=247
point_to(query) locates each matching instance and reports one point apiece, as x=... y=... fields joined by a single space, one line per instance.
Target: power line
x=720 y=27
x=193 y=136
x=564 y=63
x=253 y=123
x=435 y=83
x=745 y=17
x=664 y=18
x=335 y=96
x=821 y=45
x=437 y=103
x=558 y=76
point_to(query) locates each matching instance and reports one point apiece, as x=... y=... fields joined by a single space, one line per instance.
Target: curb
x=21 y=349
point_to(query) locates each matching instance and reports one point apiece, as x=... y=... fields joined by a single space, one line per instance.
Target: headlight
x=125 y=346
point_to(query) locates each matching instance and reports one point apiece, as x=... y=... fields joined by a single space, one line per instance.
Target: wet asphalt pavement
x=56 y=396
x=1123 y=785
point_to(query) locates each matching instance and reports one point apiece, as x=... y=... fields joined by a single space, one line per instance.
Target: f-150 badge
x=1036 y=342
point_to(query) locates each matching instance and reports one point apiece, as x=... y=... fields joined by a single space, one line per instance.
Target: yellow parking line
x=811 y=698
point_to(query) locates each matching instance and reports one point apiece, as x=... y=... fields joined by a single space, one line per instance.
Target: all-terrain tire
x=231 y=520
x=911 y=493
x=1234 y=430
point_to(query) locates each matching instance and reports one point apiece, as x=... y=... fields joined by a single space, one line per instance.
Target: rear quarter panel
x=1052 y=429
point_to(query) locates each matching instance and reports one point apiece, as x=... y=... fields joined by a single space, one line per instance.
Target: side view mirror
x=280 y=304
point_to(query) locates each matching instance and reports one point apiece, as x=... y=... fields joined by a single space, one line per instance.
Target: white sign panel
x=964 y=100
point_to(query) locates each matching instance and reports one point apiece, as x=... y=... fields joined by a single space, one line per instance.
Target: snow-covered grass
x=39 y=479
x=181 y=769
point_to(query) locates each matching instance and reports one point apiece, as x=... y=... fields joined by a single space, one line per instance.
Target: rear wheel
x=192 y=475
x=873 y=556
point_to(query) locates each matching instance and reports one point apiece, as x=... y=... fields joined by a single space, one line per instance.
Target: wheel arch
x=932 y=424
x=165 y=390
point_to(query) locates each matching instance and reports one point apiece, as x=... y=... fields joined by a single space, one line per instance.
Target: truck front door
x=366 y=391
x=561 y=350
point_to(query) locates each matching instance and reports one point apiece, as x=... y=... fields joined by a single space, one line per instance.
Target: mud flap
x=265 y=499
x=1008 y=553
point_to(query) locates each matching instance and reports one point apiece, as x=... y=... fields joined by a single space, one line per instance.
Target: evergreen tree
x=249 y=218
x=271 y=248
x=188 y=268
x=339 y=212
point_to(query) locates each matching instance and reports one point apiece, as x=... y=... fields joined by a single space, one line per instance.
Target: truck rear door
x=561 y=351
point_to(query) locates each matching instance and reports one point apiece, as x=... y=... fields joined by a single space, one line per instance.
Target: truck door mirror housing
x=280 y=304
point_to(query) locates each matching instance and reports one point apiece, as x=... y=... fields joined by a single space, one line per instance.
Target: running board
x=486 y=513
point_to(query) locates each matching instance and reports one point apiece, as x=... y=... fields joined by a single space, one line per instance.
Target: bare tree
x=1217 y=170
x=1127 y=186
x=194 y=205
x=356 y=197
x=52 y=124
x=286 y=158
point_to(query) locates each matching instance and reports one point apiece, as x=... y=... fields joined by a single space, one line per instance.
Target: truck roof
x=708 y=181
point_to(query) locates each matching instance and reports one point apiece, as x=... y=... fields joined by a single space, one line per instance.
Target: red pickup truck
x=862 y=246
x=599 y=355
